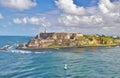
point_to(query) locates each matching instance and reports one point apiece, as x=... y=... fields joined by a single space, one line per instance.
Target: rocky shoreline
x=67 y=40
x=57 y=48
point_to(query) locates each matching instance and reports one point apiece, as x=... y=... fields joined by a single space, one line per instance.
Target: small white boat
x=65 y=67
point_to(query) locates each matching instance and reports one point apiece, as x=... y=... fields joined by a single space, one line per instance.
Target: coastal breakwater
x=63 y=40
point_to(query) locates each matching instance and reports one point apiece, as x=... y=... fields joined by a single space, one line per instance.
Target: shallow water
x=94 y=62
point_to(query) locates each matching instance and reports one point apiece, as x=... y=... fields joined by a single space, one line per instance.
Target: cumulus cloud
x=74 y=20
x=69 y=7
x=104 y=16
x=105 y=6
x=1 y=16
x=101 y=19
x=109 y=8
x=41 y=21
x=19 y=4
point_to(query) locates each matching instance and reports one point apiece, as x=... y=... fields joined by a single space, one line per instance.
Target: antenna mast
x=45 y=29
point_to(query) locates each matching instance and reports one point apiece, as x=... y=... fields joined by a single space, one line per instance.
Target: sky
x=30 y=17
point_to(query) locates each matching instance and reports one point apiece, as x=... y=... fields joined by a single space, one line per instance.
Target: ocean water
x=92 y=62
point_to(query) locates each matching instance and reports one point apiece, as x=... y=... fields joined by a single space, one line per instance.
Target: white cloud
x=105 y=6
x=105 y=16
x=19 y=4
x=17 y=21
x=109 y=8
x=74 y=20
x=105 y=12
x=108 y=28
x=1 y=16
x=32 y=20
x=69 y=7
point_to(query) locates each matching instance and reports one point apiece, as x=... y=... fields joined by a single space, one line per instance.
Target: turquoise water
x=99 y=62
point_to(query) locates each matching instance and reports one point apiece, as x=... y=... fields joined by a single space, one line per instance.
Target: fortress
x=61 y=40
x=51 y=39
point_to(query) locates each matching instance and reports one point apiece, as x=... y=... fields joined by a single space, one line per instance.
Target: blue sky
x=30 y=17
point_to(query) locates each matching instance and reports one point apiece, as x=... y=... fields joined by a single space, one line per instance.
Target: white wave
x=26 y=52
x=20 y=51
x=13 y=49
x=40 y=52
x=117 y=46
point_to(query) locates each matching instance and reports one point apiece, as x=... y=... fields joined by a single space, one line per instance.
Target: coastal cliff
x=62 y=40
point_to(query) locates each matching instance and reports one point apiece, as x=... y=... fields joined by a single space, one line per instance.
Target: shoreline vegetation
x=68 y=40
x=66 y=47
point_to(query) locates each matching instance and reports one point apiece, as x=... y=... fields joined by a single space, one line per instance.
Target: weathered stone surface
x=46 y=40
